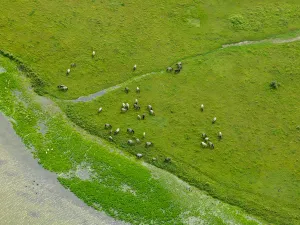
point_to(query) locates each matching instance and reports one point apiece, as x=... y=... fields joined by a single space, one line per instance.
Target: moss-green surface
x=256 y=164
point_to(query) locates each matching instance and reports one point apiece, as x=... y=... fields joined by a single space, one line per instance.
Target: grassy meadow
x=49 y=36
x=117 y=184
x=255 y=166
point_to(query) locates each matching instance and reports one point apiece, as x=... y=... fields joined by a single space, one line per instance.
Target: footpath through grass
x=98 y=173
x=49 y=36
x=256 y=164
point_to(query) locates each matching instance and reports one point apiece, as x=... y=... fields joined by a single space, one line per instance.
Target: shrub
x=274 y=84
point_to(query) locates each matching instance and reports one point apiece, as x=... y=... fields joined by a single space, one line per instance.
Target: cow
x=107 y=126
x=117 y=131
x=130 y=131
x=204 y=145
x=148 y=144
x=214 y=120
x=169 y=69
x=62 y=87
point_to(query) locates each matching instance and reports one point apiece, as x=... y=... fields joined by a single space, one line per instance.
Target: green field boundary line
x=272 y=40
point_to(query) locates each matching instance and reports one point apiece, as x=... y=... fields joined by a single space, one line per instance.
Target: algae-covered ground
x=99 y=174
x=255 y=165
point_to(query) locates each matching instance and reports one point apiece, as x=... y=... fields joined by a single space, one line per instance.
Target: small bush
x=238 y=22
x=274 y=84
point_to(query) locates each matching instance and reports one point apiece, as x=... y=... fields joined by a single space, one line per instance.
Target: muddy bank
x=31 y=194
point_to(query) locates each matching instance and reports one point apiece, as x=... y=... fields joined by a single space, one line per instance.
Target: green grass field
x=49 y=36
x=255 y=166
x=118 y=184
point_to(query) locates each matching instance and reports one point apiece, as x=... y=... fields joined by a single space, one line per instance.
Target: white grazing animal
x=137 y=89
x=148 y=144
x=68 y=71
x=214 y=120
x=220 y=135
x=93 y=53
x=139 y=117
x=100 y=110
x=144 y=134
x=204 y=145
x=117 y=131
x=152 y=112
x=139 y=155
x=202 y=107
x=134 y=67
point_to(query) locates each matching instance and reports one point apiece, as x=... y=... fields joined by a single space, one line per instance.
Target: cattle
x=206 y=139
x=204 y=145
x=204 y=135
x=73 y=65
x=168 y=159
x=100 y=110
x=151 y=112
x=202 y=107
x=149 y=107
x=143 y=116
x=139 y=117
x=126 y=106
x=107 y=125
x=177 y=71
x=68 y=71
x=148 y=144
x=110 y=138
x=136 y=101
x=137 y=90
x=93 y=53
x=117 y=131
x=214 y=120
x=130 y=131
x=123 y=105
x=211 y=145
x=126 y=90
x=139 y=155
x=169 y=69
x=220 y=135
x=134 y=67
x=144 y=134
x=136 y=106
x=137 y=140
x=130 y=142
x=62 y=87
x=124 y=110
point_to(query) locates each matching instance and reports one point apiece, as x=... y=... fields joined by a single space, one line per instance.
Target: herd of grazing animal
x=125 y=107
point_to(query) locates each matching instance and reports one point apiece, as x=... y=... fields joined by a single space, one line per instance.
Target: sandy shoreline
x=31 y=194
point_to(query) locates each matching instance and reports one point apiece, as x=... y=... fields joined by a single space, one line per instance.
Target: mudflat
x=32 y=195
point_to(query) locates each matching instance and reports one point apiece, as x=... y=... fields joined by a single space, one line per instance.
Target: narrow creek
x=93 y=96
